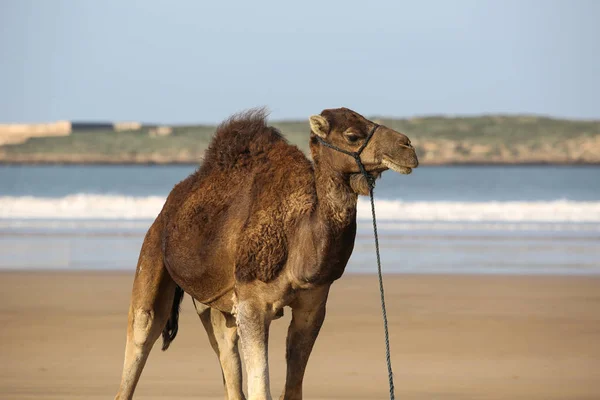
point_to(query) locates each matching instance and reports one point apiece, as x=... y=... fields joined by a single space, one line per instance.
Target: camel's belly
x=207 y=281
x=200 y=258
x=224 y=302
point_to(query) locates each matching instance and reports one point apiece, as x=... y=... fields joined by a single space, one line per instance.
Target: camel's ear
x=319 y=125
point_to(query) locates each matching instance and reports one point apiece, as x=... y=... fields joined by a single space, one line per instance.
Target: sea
x=442 y=219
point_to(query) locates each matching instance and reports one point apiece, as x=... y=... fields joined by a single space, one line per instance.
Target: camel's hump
x=245 y=138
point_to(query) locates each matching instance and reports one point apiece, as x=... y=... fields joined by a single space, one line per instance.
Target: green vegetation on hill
x=439 y=140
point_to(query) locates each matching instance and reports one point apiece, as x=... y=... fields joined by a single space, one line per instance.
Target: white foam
x=91 y=206
x=492 y=211
x=81 y=206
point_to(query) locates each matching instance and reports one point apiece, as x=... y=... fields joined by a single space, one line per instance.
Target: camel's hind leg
x=222 y=333
x=154 y=297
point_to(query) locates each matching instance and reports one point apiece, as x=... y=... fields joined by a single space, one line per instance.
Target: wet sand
x=62 y=336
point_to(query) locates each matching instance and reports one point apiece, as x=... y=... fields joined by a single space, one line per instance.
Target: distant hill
x=493 y=139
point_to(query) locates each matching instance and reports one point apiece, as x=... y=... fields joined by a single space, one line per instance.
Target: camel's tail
x=172 y=326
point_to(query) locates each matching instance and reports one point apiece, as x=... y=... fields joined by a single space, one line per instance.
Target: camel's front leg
x=222 y=333
x=308 y=313
x=253 y=319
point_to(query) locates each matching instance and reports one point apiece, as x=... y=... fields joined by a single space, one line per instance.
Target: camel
x=256 y=228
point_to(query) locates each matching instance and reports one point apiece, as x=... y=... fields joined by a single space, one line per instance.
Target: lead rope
x=383 y=310
x=371 y=183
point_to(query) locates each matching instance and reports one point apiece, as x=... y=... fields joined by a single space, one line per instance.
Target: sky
x=199 y=62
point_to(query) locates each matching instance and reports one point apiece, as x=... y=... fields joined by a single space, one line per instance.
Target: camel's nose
x=404 y=140
x=400 y=139
x=397 y=146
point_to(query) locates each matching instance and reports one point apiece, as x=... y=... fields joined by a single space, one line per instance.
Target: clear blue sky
x=200 y=61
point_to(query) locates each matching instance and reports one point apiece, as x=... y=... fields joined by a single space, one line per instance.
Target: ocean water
x=476 y=219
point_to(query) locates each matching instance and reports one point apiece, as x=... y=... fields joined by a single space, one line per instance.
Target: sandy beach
x=452 y=337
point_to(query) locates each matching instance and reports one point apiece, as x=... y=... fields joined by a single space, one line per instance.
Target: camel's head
x=348 y=130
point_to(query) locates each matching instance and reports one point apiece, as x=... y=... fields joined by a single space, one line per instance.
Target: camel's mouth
x=394 y=166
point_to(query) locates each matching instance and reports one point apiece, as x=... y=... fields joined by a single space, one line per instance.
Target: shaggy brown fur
x=246 y=172
x=257 y=227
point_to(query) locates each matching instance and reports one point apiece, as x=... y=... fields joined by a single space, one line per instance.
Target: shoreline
x=197 y=163
x=354 y=274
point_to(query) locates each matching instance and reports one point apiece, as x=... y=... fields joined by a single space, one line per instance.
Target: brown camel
x=256 y=228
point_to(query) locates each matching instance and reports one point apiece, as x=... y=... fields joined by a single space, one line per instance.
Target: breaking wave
x=81 y=206
x=117 y=207
x=489 y=211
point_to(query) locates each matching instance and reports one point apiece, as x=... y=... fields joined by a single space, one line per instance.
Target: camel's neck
x=336 y=199
x=331 y=229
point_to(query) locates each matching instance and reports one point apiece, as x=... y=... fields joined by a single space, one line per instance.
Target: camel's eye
x=351 y=137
